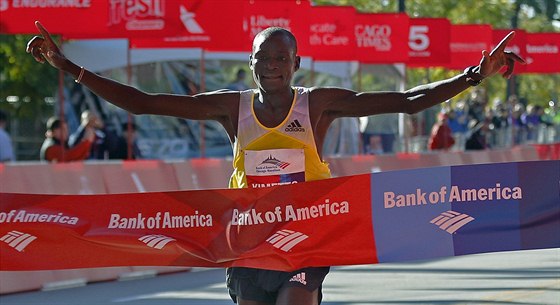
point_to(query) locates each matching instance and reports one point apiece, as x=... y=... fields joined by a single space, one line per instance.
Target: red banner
x=289 y=14
x=331 y=33
x=208 y=24
x=262 y=228
x=429 y=40
x=467 y=43
x=95 y=19
x=543 y=53
x=381 y=38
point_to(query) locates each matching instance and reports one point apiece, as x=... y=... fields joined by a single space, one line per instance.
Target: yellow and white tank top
x=283 y=154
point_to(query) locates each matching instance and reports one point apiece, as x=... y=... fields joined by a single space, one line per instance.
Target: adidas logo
x=156 y=241
x=18 y=240
x=300 y=277
x=451 y=221
x=294 y=126
x=285 y=240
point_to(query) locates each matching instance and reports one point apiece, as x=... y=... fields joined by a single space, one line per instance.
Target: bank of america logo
x=451 y=221
x=275 y=162
x=285 y=240
x=18 y=240
x=294 y=126
x=156 y=241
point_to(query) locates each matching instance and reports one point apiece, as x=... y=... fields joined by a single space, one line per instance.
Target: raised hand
x=492 y=62
x=43 y=48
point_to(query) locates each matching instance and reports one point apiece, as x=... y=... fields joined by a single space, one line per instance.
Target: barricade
x=155 y=175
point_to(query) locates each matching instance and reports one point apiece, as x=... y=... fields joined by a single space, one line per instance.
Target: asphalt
x=513 y=278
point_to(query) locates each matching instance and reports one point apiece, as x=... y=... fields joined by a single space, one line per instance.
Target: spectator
x=379 y=133
x=6 y=148
x=441 y=137
x=99 y=150
x=239 y=83
x=459 y=123
x=126 y=141
x=478 y=139
x=55 y=147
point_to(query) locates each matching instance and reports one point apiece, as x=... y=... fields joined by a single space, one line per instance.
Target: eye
x=282 y=58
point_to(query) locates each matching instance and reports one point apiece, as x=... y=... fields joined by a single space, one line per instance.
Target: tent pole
x=202 y=89
x=129 y=116
x=61 y=97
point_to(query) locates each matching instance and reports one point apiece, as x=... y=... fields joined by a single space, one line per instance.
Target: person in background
x=239 y=83
x=441 y=137
x=55 y=148
x=89 y=120
x=6 y=147
x=276 y=118
x=126 y=141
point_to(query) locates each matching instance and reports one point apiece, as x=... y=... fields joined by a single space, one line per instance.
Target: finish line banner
x=363 y=219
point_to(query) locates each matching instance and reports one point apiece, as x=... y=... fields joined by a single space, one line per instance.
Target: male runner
x=276 y=118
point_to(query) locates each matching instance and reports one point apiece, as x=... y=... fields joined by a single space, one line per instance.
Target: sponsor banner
x=381 y=38
x=467 y=43
x=428 y=42
x=201 y=30
x=516 y=45
x=363 y=219
x=543 y=51
x=331 y=33
x=275 y=228
x=291 y=15
x=94 y=19
x=466 y=209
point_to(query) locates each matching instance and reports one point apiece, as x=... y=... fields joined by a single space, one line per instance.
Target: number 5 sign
x=428 y=42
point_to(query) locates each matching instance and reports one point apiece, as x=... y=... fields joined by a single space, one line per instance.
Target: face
x=274 y=62
x=61 y=133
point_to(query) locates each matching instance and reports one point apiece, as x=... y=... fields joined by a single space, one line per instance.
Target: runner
x=276 y=118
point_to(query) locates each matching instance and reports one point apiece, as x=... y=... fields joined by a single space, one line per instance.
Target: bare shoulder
x=328 y=95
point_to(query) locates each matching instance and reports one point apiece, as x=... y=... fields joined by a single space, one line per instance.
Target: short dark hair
x=53 y=123
x=274 y=30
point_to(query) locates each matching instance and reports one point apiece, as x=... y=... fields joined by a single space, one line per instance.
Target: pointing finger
x=502 y=45
x=44 y=33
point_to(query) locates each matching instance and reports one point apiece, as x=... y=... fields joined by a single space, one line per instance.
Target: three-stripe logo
x=156 y=241
x=294 y=126
x=285 y=240
x=451 y=221
x=18 y=240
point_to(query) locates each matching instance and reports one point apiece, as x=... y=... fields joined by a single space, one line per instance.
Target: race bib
x=266 y=168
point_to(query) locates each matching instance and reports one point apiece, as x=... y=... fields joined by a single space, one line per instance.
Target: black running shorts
x=263 y=285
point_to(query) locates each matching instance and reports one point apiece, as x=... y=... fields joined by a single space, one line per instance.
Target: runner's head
x=274 y=59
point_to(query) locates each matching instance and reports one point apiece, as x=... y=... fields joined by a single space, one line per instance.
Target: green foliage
x=22 y=76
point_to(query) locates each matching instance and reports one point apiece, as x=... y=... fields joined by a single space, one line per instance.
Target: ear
x=297 y=63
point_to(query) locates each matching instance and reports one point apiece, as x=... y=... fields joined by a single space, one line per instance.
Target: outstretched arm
x=202 y=106
x=341 y=102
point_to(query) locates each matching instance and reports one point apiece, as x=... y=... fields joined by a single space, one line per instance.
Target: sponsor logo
x=451 y=221
x=138 y=16
x=300 y=278
x=156 y=241
x=285 y=240
x=294 y=126
x=18 y=240
x=275 y=162
x=189 y=22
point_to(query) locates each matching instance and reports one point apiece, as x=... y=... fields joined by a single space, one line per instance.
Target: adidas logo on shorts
x=300 y=277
